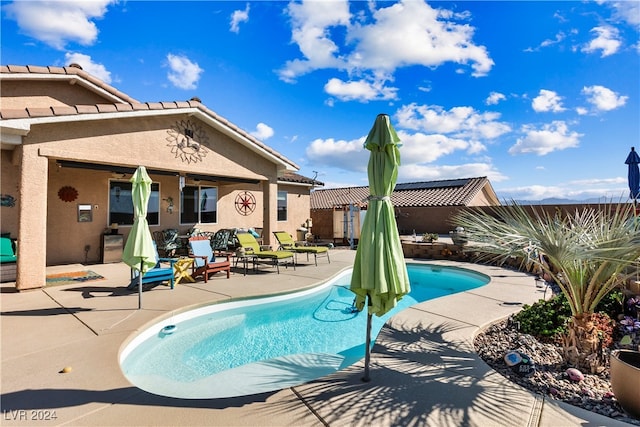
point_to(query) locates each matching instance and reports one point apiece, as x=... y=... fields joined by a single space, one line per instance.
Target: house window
x=199 y=204
x=121 y=204
x=282 y=205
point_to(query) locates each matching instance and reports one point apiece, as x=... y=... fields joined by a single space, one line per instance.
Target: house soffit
x=106 y=112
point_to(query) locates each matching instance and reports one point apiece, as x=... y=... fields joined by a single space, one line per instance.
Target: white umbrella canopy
x=139 y=252
x=379 y=271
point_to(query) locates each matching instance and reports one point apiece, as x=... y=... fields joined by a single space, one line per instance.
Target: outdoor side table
x=182 y=269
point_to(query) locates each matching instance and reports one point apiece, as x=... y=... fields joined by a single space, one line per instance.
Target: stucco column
x=32 y=225
x=270 y=214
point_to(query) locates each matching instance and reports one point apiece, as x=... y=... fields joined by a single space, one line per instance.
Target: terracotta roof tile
x=155 y=105
x=457 y=192
x=63 y=110
x=69 y=70
x=106 y=108
x=139 y=107
x=300 y=179
x=123 y=107
x=39 y=111
x=56 y=70
x=17 y=69
x=130 y=104
x=87 y=109
x=37 y=69
x=14 y=114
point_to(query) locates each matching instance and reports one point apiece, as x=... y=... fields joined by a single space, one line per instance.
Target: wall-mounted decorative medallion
x=68 y=194
x=187 y=140
x=245 y=203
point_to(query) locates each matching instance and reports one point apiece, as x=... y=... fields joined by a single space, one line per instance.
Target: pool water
x=265 y=344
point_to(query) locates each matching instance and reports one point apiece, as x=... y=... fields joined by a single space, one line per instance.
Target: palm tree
x=588 y=254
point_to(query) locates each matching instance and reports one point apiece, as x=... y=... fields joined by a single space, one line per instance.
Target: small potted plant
x=430 y=237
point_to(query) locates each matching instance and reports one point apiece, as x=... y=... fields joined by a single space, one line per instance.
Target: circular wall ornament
x=245 y=203
x=187 y=140
x=68 y=194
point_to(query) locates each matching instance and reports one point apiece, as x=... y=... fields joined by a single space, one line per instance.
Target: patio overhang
x=131 y=170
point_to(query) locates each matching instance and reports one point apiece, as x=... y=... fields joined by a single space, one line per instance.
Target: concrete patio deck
x=424 y=370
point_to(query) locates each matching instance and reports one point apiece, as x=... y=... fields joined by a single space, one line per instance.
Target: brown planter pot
x=625 y=380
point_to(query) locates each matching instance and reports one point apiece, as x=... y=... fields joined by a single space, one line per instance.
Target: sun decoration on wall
x=187 y=140
x=67 y=194
x=245 y=203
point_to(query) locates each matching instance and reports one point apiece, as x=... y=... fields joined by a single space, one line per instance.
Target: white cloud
x=237 y=17
x=57 y=23
x=88 y=65
x=415 y=172
x=602 y=98
x=548 y=42
x=551 y=137
x=263 y=132
x=413 y=33
x=347 y=155
x=494 y=98
x=547 y=100
x=405 y=34
x=422 y=148
x=611 y=189
x=360 y=90
x=628 y=11
x=607 y=40
x=183 y=73
x=461 y=122
x=311 y=21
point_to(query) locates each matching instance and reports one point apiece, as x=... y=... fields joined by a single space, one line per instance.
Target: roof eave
x=23 y=125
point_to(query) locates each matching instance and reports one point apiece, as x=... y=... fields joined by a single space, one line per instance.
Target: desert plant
x=587 y=252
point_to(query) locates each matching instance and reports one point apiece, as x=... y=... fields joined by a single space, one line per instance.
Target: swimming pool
x=264 y=344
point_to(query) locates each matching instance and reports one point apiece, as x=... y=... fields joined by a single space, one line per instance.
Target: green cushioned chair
x=7 y=251
x=252 y=247
x=287 y=243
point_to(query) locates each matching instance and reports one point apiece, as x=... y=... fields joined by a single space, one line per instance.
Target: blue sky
x=542 y=97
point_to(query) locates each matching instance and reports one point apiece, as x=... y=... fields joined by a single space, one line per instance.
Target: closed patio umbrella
x=379 y=272
x=633 y=159
x=139 y=252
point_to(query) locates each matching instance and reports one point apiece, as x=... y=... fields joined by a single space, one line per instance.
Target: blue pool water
x=265 y=344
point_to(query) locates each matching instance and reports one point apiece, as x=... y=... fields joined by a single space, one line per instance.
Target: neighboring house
x=425 y=207
x=70 y=143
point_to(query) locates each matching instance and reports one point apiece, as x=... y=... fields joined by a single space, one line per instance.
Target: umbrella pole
x=367 y=354
x=140 y=286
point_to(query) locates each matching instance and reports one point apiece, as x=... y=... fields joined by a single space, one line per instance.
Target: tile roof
x=129 y=105
x=72 y=71
x=453 y=192
x=299 y=179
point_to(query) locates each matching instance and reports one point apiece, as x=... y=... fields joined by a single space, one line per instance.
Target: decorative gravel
x=593 y=393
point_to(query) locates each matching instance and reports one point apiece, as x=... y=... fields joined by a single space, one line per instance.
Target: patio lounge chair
x=222 y=240
x=167 y=242
x=251 y=247
x=157 y=274
x=8 y=259
x=204 y=261
x=288 y=244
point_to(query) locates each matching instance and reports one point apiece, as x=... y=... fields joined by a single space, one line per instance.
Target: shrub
x=544 y=320
x=547 y=320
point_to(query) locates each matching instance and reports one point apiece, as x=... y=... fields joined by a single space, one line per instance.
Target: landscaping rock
x=549 y=375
